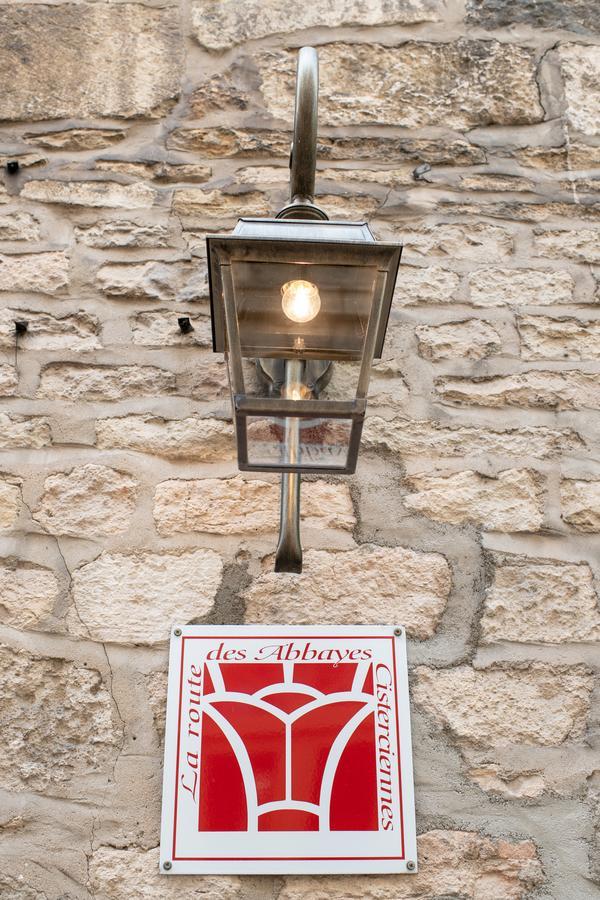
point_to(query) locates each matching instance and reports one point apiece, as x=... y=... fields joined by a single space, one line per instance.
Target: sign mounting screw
x=177 y=633
x=167 y=866
x=410 y=866
x=398 y=632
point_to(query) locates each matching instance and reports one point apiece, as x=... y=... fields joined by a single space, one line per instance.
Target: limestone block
x=169 y=173
x=134 y=598
x=193 y=439
x=421 y=437
x=429 y=284
x=56 y=722
x=30 y=432
x=467 y=339
x=537 y=388
x=580 y=16
x=412 y=85
x=89 y=500
x=477 y=241
x=44 y=273
x=106 y=234
x=27 y=593
x=566 y=337
x=571 y=156
x=90 y=193
x=161 y=329
x=76 y=139
x=510 y=501
x=453 y=864
x=581 y=244
x=10 y=502
x=64 y=381
x=8 y=380
x=580 y=504
x=133 y=873
x=540 y=705
x=519 y=287
x=76 y=333
x=19 y=226
x=388 y=584
x=156 y=280
x=219 y=25
x=580 y=68
x=197 y=205
x=156 y=686
x=55 y=72
x=540 y=601
x=243 y=506
x=510 y=786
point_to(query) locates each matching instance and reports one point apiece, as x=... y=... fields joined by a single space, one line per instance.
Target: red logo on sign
x=292 y=747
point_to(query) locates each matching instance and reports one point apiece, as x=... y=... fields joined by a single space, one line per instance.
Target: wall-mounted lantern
x=308 y=301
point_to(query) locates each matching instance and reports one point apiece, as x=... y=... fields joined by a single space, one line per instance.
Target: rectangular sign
x=287 y=751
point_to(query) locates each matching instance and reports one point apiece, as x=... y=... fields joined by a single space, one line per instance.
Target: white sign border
x=407 y=864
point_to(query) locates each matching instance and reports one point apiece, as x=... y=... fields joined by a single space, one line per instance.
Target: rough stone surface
x=451 y=864
x=430 y=284
x=56 y=73
x=242 y=506
x=540 y=600
x=161 y=329
x=519 y=287
x=57 y=722
x=218 y=25
x=580 y=66
x=10 y=502
x=194 y=439
x=477 y=241
x=153 y=281
x=61 y=381
x=580 y=504
x=149 y=592
x=421 y=437
x=21 y=432
x=77 y=333
x=414 y=84
x=580 y=244
x=90 y=193
x=123 y=233
x=27 y=593
x=503 y=706
x=76 y=139
x=8 y=380
x=196 y=205
x=44 y=273
x=468 y=339
x=392 y=584
x=510 y=501
x=580 y=16
x=566 y=337
x=18 y=226
x=88 y=500
x=547 y=390
x=135 y=871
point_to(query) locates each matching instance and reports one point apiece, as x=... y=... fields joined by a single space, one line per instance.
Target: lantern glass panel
x=313 y=443
x=333 y=326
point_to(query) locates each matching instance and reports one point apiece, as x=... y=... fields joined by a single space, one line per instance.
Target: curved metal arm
x=304 y=149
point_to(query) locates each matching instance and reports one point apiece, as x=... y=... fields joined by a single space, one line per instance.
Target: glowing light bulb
x=300 y=300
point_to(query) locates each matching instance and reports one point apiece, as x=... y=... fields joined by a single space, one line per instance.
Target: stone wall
x=470 y=130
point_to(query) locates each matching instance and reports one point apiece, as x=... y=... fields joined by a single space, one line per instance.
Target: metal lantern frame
x=287 y=245
x=301 y=235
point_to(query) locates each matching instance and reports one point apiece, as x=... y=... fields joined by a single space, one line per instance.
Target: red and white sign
x=288 y=750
